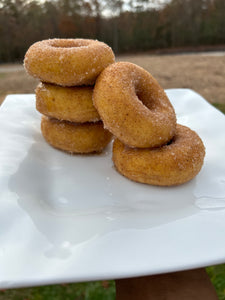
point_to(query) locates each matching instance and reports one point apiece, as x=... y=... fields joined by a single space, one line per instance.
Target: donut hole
x=63 y=43
x=171 y=141
x=149 y=98
x=142 y=97
x=143 y=92
x=145 y=98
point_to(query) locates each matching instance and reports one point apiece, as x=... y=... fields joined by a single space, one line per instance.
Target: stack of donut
x=67 y=69
x=150 y=147
x=82 y=89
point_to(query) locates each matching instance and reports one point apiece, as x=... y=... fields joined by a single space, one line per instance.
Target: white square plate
x=67 y=218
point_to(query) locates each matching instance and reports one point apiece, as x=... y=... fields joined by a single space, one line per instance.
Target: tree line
x=127 y=26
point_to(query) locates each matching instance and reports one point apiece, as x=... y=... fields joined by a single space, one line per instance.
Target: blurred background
x=150 y=33
x=181 y=42
x=126 y=25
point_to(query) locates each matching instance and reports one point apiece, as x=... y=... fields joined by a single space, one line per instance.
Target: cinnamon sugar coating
x=172 y=164
x=133 y=106
x=75 y=137
x=68 y=62
x=66 y=103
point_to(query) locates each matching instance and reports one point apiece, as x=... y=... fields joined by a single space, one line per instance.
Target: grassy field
x=104 y=290
x=204 y=74
x=101 y=290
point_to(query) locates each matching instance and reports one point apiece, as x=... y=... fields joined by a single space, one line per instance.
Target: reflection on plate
x=70 y=218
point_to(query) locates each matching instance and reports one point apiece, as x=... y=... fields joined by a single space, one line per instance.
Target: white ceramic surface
x=67 y=218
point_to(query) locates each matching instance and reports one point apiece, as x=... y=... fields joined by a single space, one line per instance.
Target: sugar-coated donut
x=75 y=137
x=68 y=62
x=66 y=103
x=133 y=106
x=172 y=164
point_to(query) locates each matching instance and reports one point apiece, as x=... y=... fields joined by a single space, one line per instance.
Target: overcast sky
x=149 y=4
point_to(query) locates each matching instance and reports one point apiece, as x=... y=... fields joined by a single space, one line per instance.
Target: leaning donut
x=172 y=164
x=133 y=106
x=75 y=137
x=68 y=62
x=72 y=104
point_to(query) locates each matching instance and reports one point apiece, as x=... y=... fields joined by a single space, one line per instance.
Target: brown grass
x=16 y=82
x=203 y=74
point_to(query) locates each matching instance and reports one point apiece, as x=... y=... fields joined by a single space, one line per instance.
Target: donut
x=175 y=163
x=133 y=106
x=72 y=104
x=75 y=137
x=68 y=62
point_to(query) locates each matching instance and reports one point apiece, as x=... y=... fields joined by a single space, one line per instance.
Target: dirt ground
x=204 y=74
